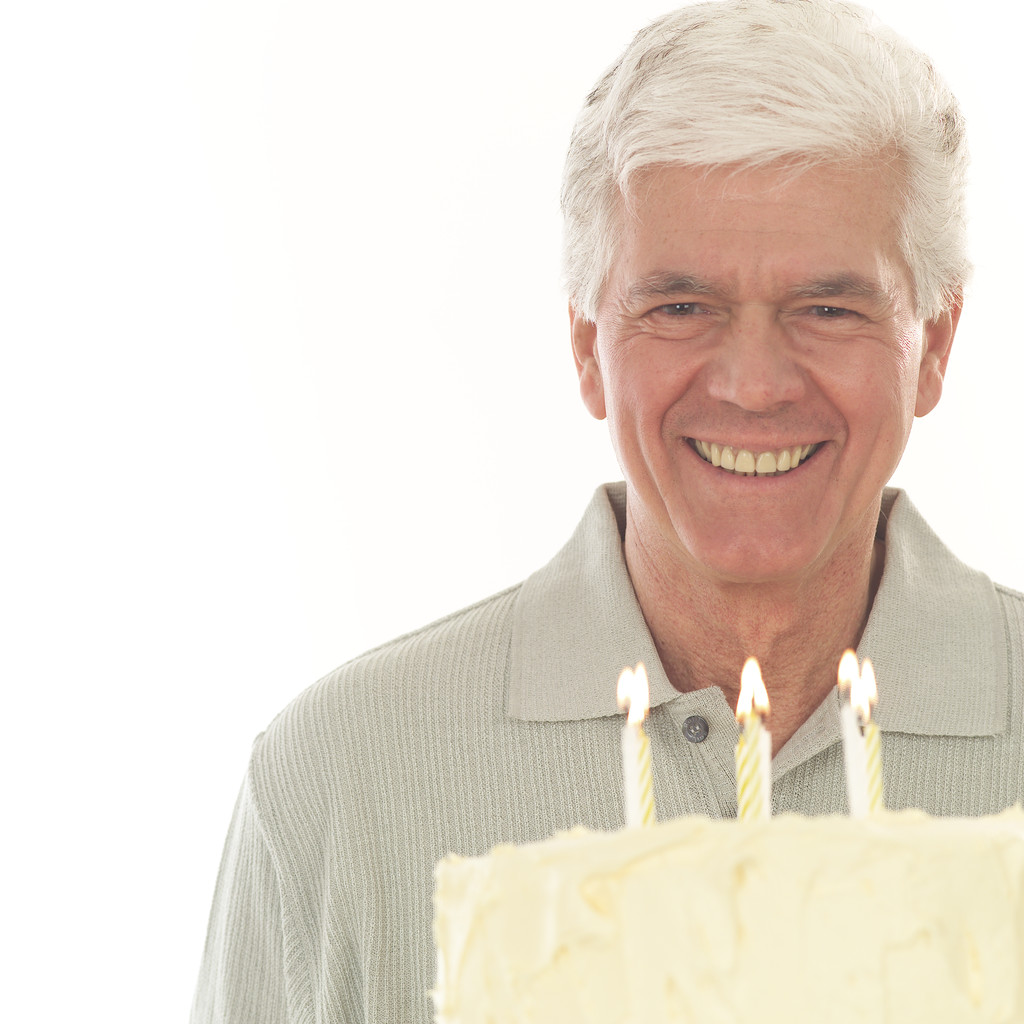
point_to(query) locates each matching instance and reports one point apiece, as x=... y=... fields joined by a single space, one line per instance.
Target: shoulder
x=432 y=647
x=1009 y=596
x=1012 y=604
x=414 y=665
x=365 y=709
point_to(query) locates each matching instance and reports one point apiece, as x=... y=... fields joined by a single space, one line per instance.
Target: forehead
x=761 y=226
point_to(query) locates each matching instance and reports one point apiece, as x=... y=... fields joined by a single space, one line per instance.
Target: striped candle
x=754 y=749
x=633 y=694
x=862 y=743
x=866 y=700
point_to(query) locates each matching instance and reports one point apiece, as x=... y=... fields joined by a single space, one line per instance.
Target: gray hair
x=752 y=82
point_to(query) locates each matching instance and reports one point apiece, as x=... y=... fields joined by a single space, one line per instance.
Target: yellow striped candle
x=865 y=700
x=634 y=694
x=754 y=749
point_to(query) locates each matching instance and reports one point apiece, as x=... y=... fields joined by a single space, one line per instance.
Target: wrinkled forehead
x=769 y=180
x=815 y=222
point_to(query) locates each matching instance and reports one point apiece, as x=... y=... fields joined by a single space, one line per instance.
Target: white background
x=286 y=372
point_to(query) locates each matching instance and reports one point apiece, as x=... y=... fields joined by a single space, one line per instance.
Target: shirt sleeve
x=242 y=979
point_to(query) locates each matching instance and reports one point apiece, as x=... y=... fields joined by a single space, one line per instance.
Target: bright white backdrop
x=286 y=373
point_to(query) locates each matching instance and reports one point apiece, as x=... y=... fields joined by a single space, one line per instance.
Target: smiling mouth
x=744 y=462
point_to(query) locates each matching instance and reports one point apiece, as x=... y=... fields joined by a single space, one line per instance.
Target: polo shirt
x=499 y=724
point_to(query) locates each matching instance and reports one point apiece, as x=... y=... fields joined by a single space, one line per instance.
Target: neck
x=705 y=629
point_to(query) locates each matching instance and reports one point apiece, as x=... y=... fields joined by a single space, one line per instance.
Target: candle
x=754 y=749
x=864 y=697
x=854 y=753
x=633 y=694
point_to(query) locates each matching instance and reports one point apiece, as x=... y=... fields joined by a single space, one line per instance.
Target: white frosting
x=900 y=918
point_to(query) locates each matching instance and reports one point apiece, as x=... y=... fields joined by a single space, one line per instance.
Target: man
x=765 y=257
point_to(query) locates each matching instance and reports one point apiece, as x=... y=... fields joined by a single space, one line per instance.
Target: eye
x=830 y=312
x=678 y=309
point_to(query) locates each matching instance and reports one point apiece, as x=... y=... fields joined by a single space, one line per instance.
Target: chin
x=756 y=560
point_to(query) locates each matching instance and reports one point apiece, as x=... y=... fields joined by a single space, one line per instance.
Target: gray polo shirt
x=499 y=724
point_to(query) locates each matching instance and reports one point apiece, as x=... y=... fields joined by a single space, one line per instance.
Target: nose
x=754 y=366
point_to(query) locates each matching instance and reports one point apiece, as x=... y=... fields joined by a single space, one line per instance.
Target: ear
x=584 y=350
x=938 y=342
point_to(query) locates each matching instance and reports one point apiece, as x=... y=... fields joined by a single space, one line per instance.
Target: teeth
x=748 y=463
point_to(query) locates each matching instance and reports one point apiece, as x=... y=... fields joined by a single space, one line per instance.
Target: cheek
x=879 y=402
x=653 y=399
x=641 y=389
x=630 y=378
x=878 y=372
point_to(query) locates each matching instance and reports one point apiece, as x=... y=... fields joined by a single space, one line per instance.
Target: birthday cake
x=899 y=918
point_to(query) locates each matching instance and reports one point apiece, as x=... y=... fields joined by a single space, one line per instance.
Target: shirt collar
x=936 y=633
x=578 y=624
x=941 y=670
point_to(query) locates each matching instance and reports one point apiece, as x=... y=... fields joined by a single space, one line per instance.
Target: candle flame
x=753 y=695
x=633 y=693
x=849 y=672
x=864 y=692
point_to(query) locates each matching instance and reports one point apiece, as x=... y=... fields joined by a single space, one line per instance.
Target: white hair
x=752 y=82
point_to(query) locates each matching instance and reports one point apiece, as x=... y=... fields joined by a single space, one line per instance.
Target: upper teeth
x=742 y=460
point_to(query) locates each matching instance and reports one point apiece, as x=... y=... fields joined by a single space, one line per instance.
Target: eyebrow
x=669 y=283
x=844 y=284
x=854 y=285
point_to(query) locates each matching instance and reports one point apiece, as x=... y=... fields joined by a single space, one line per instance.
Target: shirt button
x=695 y=729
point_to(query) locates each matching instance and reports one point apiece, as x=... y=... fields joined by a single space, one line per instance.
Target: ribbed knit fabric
x=498 y=724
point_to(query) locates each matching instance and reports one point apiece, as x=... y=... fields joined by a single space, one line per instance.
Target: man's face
x=755 y=318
